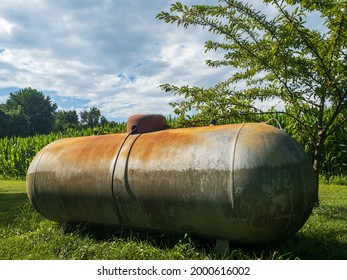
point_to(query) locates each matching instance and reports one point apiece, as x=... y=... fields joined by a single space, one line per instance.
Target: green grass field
x=25 y=234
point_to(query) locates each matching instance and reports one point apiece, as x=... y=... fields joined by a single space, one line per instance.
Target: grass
x=25 y=234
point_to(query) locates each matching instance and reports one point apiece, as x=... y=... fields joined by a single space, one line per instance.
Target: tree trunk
x=317 y=159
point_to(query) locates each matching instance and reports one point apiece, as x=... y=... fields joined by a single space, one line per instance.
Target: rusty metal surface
x=70 y=179
x=146 y=123
x=247 y=183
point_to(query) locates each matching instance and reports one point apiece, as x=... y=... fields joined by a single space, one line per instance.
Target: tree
x=90 y=118
x=14 y=123
x=4 y=123
x=19 y=123
x=65 y=119
x=38 y=109
x=103 y=121
x=278 y=56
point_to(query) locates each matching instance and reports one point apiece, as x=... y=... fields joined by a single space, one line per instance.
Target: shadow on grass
x=315 y=247
x=162 y=241
x=297 y=247
x=9 y=202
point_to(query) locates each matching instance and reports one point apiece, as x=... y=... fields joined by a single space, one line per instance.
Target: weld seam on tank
x=125 y=176
x=114 y=197
x=112 y=181
x=233 y=171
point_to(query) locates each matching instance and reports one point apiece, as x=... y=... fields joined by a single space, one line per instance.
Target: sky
x=109 y=54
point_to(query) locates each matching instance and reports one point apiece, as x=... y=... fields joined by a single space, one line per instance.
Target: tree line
x=28 y=112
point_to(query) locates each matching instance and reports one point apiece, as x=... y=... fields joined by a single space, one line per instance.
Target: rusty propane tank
x=249 y=183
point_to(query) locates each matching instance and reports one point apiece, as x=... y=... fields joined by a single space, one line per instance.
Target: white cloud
x=5 y=27
x=114 y=54
x=103 y=53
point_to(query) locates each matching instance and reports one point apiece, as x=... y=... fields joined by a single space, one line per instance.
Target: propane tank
x=248 y=183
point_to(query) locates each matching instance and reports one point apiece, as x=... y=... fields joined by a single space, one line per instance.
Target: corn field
x=16 y=153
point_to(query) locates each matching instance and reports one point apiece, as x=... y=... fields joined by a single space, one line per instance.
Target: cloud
x=103 y=53
x=108 y=54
